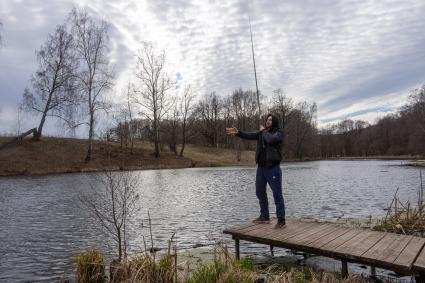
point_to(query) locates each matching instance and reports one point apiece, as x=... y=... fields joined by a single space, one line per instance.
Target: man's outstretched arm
x=244 y=135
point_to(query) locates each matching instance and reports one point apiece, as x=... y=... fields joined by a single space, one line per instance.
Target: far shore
x=60 y=155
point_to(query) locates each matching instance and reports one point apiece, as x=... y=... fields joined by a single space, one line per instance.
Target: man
x=268 y=156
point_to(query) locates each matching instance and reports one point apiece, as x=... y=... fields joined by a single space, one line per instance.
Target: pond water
x=43 y=225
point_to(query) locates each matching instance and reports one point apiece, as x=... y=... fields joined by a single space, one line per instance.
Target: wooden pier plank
x=271 y=233
x=321 y=241
x=409 y=254
x=326 y=236
x=389 y=248
x=281 y=235
x=419 y=264
x=262 y=231
x=308 y=235
x=332 y=245
x=238 y=228
x=359 y=244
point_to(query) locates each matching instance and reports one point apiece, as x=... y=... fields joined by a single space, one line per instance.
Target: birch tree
x=94 y=75
x=52 y=90
x=186 y=110
x=152 y=91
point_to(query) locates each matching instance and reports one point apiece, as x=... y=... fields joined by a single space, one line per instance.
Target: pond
x=43 y=225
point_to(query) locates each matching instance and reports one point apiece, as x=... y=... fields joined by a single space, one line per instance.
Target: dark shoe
x=280 y=224
x=262 y=220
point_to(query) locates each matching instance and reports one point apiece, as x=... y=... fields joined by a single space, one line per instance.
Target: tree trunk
x=156 y=141
x=119 y=246
x=89 y=151
x=37 y=135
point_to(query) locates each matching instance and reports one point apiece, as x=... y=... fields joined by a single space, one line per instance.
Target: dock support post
x=420 y=278
x=344 y=269
x=237 y=249
x=271 y=250
x=373 y=271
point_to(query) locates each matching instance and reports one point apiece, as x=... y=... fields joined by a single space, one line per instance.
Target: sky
x=355 y=59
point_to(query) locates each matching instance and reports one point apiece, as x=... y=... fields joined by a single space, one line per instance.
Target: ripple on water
x=44 y=227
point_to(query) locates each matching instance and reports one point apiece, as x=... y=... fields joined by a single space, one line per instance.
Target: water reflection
x=43 y=226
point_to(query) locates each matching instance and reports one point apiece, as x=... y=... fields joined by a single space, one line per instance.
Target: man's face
x=269 y=122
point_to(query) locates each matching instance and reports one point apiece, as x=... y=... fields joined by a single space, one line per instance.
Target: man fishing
x=268 y=156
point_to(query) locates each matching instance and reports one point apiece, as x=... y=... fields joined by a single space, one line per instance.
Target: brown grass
x=57 y=155
x=212 y=156
x=405 y=218
x=222 y=269
x=60 y=155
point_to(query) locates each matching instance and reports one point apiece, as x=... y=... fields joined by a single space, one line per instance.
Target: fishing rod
x=255 y=74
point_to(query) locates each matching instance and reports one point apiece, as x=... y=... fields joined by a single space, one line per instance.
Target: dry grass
x=59 y=155
x=211 y=156
x=223 y=269
x=405 y=218
x=90 y=267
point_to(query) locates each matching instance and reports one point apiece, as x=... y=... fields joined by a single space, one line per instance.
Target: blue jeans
x=272 y=176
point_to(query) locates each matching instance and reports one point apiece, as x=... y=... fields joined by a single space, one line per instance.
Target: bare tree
x=153 y=88
x=170 y=126
x=417 y=98
x=302 y=129
x=94 y=75
x=52 y=85
x=126 y=127
x=282 y=106
x=186 y=110
x=209 y=110
x=244 y=107
x=113 y=204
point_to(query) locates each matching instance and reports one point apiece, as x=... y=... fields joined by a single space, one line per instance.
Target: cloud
x=348 y=56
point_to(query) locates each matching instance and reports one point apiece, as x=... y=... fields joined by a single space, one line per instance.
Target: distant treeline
x=401 y=133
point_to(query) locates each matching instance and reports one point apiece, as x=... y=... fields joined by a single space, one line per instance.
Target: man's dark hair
x=275 y=121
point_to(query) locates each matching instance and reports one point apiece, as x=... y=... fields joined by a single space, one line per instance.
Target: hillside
x=59 y=155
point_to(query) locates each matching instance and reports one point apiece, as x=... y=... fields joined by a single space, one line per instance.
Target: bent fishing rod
x=255 y=74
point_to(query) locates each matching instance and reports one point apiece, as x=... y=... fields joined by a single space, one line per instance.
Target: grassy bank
x=60 y=155
x=221 y=267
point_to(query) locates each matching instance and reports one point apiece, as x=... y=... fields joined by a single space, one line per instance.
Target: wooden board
x=335 y=243
x=359 y=244
x=309 y=234
x=389 y=248
x=419 y=264
x=327 y=238
x=409 y=254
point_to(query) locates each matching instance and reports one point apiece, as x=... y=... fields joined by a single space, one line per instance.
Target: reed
x=405 y=218
x=90 y=267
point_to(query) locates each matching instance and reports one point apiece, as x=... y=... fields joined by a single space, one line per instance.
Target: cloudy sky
x=355 y=59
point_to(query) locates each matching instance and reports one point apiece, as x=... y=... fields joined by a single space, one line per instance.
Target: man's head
x=272 y=122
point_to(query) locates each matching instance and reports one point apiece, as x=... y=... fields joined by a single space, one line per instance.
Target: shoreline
x=51 y=156
x=183 y=163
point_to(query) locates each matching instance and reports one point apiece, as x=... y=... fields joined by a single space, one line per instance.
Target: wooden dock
x=401 y=253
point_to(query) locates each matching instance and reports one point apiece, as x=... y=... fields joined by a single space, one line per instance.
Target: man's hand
x=262 y=128
x=231 y=131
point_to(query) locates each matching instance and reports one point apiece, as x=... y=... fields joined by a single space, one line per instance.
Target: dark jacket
x=269 y=144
